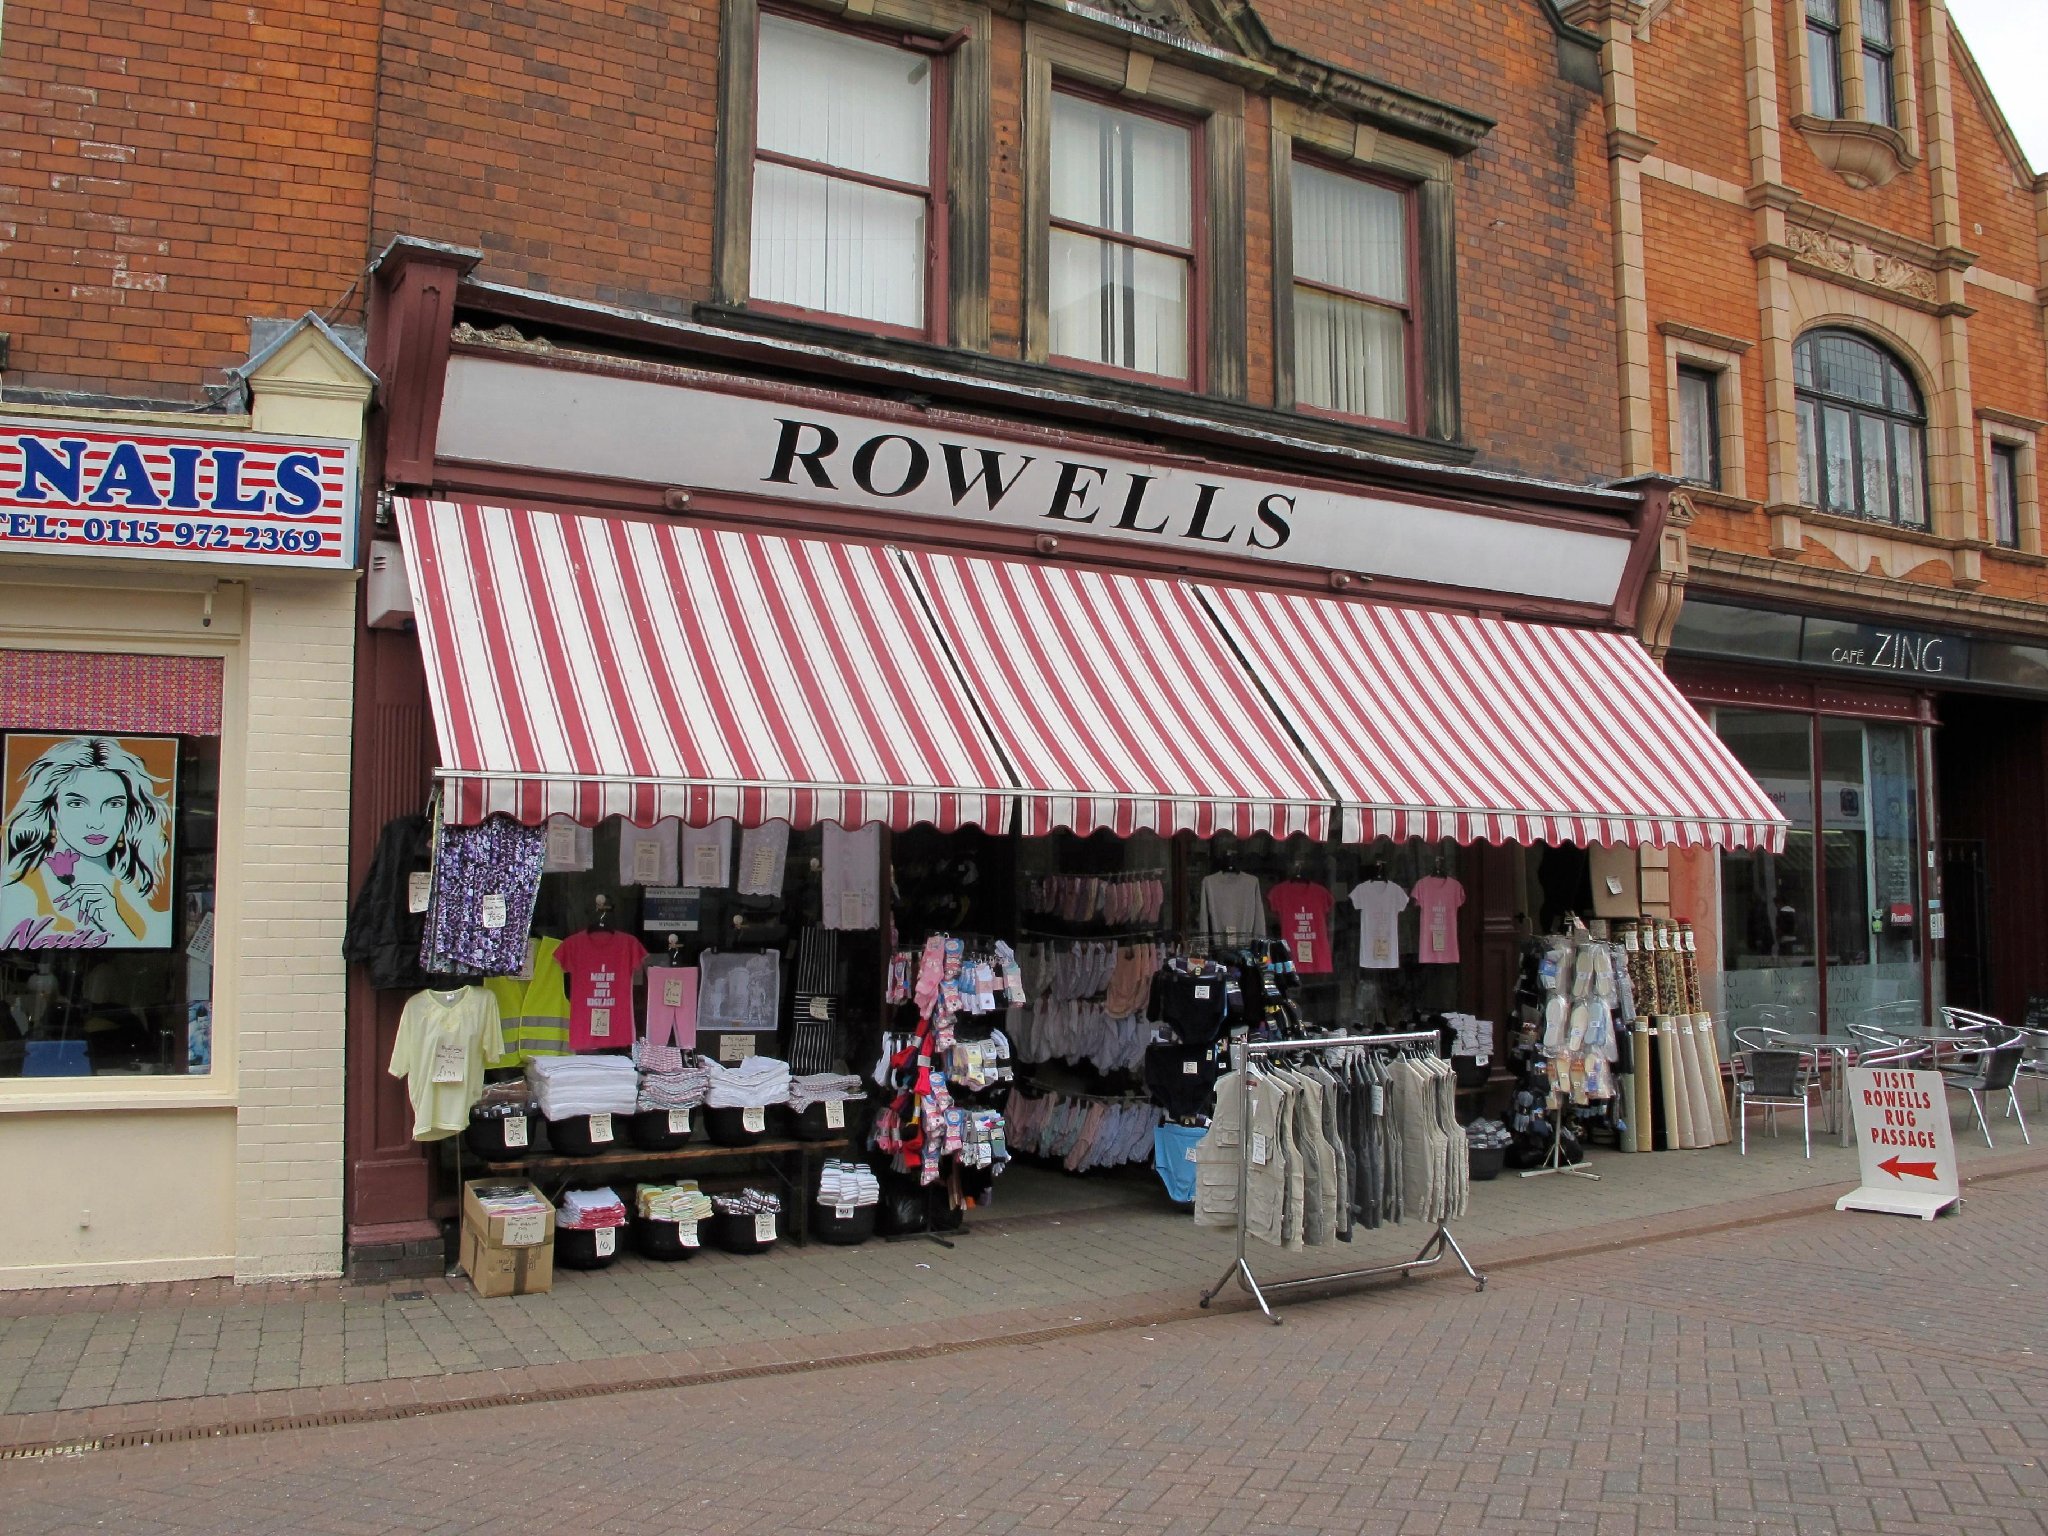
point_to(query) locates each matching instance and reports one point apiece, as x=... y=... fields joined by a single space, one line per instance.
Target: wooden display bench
x=789 y=1159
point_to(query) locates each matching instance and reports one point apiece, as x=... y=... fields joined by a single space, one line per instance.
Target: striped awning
x=594 y=667
x=1117 y=703
x=1446 y=725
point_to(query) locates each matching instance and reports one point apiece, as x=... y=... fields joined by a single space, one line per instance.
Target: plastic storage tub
x=501 y=1138
x=586 y=1247
x=827 y=1227
x=814 y=1121
x=1487 y=1162
x=663 y=1130
x=740 y=1127
x=745 y=1233
x=588 y=1135
x=667 y=1240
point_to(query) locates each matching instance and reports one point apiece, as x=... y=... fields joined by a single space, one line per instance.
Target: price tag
x=1201 y=994
x=1437 y=930
x=525 y=1230
x=1191 y=1069
x=679 y=1122
x=732 y=1048
x=835 y=1115
x=1305 y=951
x=1379 y=1099
x=852 y=910
x=1260 y=1151
x=821 y=1009
x=704 y=862
x=672 y=993
x=764 y=1227
x=601 y=1128
x=607 y=1241
x=600 y=1022
x=517 y=1132
x=754 y=1118
x=687 y=1231
x=491 y=911
x=842 y=1213
x=451 y=1061
x=646 y=862
x=419 y=890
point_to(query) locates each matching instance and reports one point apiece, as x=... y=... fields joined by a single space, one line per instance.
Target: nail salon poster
x=86 y=857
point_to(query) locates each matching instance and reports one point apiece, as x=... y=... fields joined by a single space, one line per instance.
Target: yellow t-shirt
x=443 y=1041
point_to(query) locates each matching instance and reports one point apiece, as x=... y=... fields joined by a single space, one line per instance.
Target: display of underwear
x=1133 y=899
x=1087 y=1003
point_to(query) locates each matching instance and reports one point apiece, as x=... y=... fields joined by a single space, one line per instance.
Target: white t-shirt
x=707 y=855
x=1231 y=904
x=647 y=855
x=853 y=876
x=763 y=852
x=1380 y=904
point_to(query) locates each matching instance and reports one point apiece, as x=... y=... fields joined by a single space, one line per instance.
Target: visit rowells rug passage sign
x=221 y=498
x=1903 y=1142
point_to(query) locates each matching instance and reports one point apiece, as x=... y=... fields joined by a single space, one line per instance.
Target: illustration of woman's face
x=91 y=808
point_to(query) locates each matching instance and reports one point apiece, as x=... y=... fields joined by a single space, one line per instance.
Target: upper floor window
x=1880 y=104
x=1824 y=56
x=1862 y=431
x=1354 y=332
x=848 y=216
x=1699 y=426
x=2005 y=494
x=1124 y=273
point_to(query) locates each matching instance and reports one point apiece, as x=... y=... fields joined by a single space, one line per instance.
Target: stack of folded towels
x=843 y=1184
x=668 y=1081
x=683 y=1203
x=757 y=1081
x=586 y=1210
x=583 y=1085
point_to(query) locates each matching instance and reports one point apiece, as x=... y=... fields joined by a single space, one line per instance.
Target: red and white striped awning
x=1447 y=725
x=595 y=667
x=1117 y=703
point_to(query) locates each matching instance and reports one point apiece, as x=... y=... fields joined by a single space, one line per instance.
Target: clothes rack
x=1242 y=1053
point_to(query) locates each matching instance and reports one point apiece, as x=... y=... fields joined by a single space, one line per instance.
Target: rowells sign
x=515 y=414
x=1907 y=1155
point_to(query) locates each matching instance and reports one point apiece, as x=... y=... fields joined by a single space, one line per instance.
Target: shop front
x=176 y=632
x=749 y=707
x=1906 y=760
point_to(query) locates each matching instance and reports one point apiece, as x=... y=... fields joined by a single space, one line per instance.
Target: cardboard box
x=507 y=1255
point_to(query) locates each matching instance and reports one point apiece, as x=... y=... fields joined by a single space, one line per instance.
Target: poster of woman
x=85 y=854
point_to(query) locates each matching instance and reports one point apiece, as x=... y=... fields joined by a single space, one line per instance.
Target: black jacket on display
x=382 y=936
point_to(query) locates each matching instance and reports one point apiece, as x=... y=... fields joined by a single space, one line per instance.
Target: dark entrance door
x=1965 y=898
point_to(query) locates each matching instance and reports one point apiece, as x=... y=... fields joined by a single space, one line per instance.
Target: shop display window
x=1768 y=899
x=107 y=903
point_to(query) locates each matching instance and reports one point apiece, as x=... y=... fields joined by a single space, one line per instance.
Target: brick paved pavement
x=81 y=1364
x=1822 y=1374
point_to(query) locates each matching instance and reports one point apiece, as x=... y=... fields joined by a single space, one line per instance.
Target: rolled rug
x=1676 y=1105
x=1708 y=1048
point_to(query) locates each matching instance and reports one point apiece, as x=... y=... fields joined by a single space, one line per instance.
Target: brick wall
x=294 y=902
x=168 y=175
x=575 y=145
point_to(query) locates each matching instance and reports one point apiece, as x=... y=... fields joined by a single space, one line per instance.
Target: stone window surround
x=1345 y=142
x=1864 y=153
x=1997 y=430
x=1686 y=345
x=966 y=300
x=1217 y=109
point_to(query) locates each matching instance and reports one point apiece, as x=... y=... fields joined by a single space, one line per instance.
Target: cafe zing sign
x=499 y=412
x=88 y=488
x=1884 y=648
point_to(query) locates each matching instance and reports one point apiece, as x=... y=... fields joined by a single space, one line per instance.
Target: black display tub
x=586 y=1247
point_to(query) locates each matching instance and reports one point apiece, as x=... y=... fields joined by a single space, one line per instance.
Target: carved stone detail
x=504 y=335
x=1833 y=253
x=1158 y=15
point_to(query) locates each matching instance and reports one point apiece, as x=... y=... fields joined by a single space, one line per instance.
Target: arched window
x=1862 y=431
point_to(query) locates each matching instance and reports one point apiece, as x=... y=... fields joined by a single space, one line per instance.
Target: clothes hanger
x=602 y=922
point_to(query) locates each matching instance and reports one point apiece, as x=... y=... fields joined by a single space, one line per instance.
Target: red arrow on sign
x=1899 y=1170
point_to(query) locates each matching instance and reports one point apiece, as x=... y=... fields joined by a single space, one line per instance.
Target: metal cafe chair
x=1774 y=1079
x=1991 y=1068
x=2034 y=1064
x=1874 y=1048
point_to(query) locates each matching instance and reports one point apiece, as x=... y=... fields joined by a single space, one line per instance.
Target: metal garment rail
x=1440 y=1242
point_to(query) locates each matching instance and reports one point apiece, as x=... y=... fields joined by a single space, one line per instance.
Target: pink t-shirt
x=1437 y=898
x=600 y=965
x=1304 y=914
